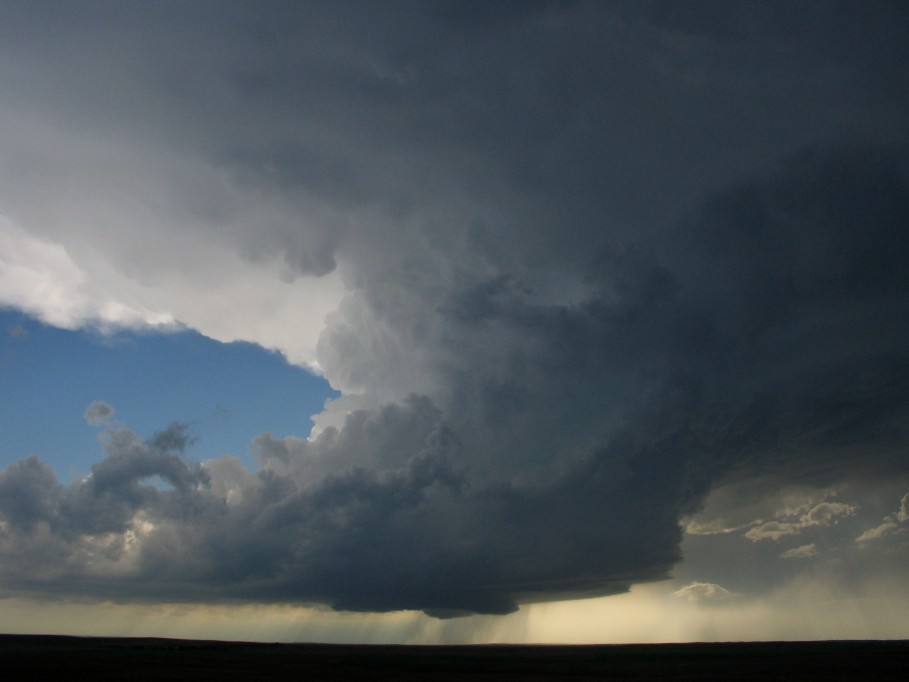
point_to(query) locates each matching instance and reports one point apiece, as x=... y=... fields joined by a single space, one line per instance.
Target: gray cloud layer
x=598 y=259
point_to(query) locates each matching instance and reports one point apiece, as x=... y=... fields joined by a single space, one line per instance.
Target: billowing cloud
x=571 y=267
x=348 y=536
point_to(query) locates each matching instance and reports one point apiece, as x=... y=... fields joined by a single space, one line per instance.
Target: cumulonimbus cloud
x=548 y=353
x=480 y=494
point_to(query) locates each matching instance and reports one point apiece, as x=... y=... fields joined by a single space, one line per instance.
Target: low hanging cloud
x=416 y=534
x=558 y=317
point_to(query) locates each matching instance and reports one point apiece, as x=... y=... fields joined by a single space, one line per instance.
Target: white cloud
x=699 y=592
x=39 y=277
x=137 y=232
x=227 y=298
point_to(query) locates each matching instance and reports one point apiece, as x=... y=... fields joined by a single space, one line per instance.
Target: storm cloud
x=571 y=266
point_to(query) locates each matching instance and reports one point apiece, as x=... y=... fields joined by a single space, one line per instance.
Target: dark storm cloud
x=600 y=259
x=28 y=489
x=468 y=505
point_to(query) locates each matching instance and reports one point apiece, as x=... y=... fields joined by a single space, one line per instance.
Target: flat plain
x=79 y=658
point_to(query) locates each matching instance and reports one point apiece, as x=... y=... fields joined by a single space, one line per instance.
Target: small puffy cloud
x=803 y=552
x=701 y=592
x=903 y=514
x=98 y=413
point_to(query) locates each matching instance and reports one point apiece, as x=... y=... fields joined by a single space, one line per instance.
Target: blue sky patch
x=226 y=393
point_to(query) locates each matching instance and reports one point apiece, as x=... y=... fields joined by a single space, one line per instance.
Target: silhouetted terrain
x=77 y=658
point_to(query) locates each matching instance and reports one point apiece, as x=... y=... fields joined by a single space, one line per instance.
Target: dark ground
x=76 y=658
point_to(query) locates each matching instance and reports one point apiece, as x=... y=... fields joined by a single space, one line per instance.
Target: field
x=75 y=658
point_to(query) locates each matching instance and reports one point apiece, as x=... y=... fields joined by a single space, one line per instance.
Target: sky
x=226 y=394
x=453 y=321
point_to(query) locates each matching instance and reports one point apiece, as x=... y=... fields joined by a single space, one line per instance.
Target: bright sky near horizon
x=454 y=321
